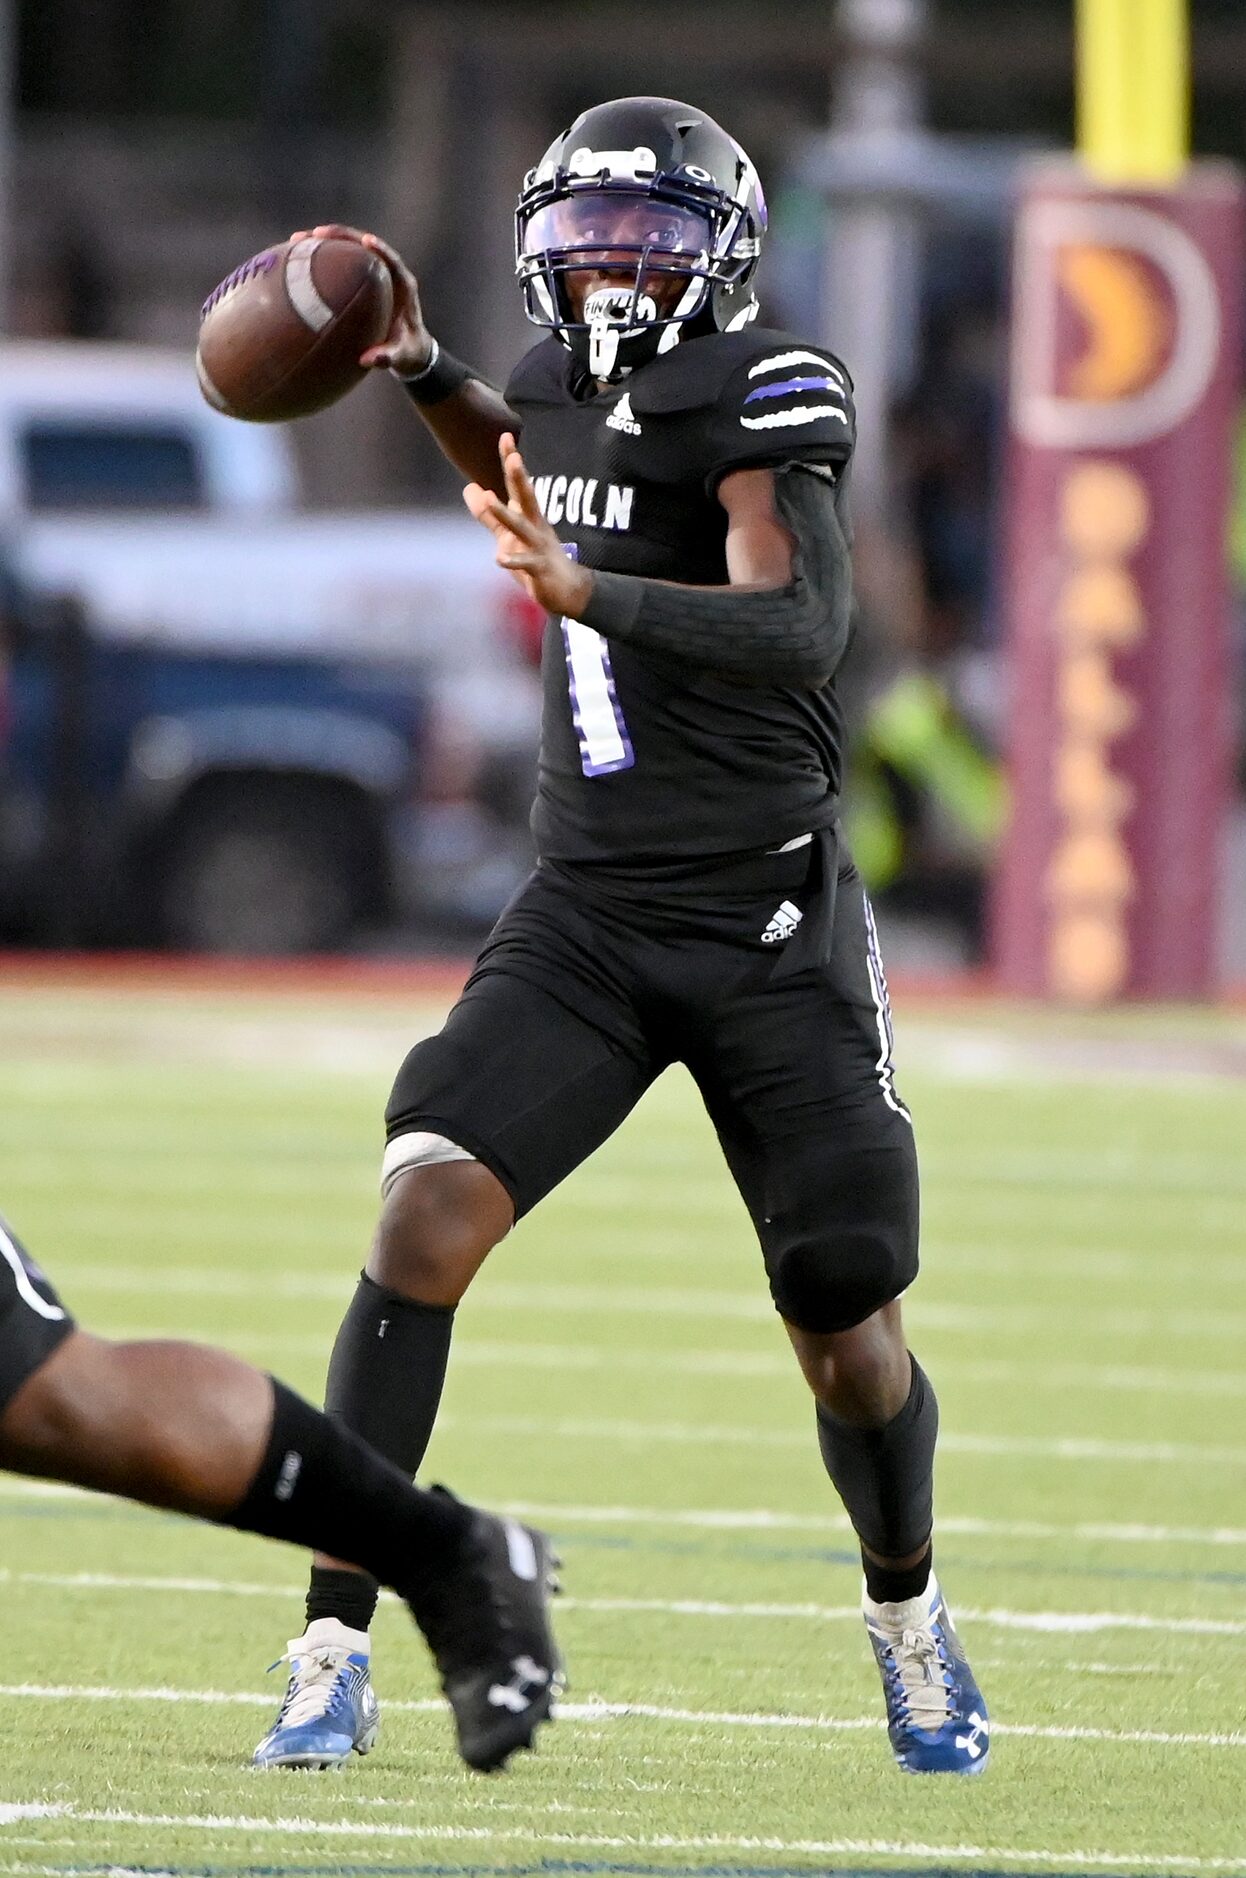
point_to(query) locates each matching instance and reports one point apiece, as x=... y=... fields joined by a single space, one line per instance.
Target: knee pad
x=417 y=1147
x=840 y=1234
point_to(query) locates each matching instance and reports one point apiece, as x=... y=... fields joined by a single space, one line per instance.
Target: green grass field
x=204 y=1163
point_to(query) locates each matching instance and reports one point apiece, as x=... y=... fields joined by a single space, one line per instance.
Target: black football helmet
x=662 y=207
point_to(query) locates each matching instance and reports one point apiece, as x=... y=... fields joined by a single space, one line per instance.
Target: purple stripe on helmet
x=793 y=384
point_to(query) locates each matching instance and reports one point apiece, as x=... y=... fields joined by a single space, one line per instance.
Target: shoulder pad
x=694 y=375
x=541 y=375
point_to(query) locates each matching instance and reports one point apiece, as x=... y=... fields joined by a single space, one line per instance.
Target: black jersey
x=646 y=760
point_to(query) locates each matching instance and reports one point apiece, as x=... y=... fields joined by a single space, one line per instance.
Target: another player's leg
x=181 y=1426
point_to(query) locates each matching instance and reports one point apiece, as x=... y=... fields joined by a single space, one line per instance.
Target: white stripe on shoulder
x=786 y=420
x=782 y=360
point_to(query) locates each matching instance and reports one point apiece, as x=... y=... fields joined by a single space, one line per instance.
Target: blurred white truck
x=233 y=725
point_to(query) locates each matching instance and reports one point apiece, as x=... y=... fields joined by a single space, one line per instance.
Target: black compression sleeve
x=885 y=1476
x=792 y=635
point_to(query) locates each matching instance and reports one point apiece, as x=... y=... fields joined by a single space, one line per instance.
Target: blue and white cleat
x=936 y=1717
x=330 y=1711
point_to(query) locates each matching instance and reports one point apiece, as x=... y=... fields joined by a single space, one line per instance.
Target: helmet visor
x=596 y=227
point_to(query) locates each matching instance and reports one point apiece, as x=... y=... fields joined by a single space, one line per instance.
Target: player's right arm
x=465 y=414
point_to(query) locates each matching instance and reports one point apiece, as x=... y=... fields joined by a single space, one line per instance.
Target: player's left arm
x=760 y=548
x=782 y=619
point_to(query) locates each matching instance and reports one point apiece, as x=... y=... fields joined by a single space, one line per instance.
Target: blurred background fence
x=264 y=691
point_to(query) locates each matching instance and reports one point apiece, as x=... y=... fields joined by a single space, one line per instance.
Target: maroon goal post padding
x=1126 y=364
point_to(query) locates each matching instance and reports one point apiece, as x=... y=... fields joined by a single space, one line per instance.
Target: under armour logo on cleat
x=782 y=925
x=621 y=417
x=517 y=1694
x=979 y=1731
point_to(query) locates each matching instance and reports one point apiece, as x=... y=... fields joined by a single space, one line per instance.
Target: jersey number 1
x=595 y=709
x=605 y=745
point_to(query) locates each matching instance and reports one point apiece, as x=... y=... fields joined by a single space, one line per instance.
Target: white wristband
x=413 y=378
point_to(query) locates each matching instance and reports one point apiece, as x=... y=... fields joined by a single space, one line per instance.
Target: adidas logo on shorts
x=782 y=925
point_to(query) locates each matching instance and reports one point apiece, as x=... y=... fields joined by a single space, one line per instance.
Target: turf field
x=199 y=1161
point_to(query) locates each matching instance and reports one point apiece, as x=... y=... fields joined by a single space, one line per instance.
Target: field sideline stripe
x=729 y=1519
x=595 y=1712
x=1062 y=1623
x=12 y=1812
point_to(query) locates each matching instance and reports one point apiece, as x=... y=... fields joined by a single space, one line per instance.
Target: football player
x=183 y=1426
x=680 y=508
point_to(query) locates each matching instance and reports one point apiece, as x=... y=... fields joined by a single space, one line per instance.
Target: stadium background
x=191 y=1145
x=149 y=148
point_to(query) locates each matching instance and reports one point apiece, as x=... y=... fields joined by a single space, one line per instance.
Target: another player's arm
x=782 y=619
x=467 y=416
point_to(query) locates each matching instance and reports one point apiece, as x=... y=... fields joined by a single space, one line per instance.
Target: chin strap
x=743 y=318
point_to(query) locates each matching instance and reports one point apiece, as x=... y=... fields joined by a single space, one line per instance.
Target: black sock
x=348 y=1596
x=885 y=1478
x=385 y=1380
x=320 y=1486
x=887 y=1586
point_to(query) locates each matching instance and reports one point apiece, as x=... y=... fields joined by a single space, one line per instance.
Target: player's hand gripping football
x=408 y=344
x=527 y=546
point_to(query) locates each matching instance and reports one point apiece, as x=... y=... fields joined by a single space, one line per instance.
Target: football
x=281 y=336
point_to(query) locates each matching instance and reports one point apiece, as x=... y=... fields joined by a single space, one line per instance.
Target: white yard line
x=762 y=1519
x=710 y=1434
x=1064 y=1623
x=1074 y=1448
x=596 y=1712
x=730 y=1519
x=1176 y=1171
x=1070 y=1377
x=1004 y=1258
x=651 y=1301
x=14 y=1812
x=475 y=1353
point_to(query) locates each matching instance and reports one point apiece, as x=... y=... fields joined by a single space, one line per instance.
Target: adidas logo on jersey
x=782 y=925
x=621 y=417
